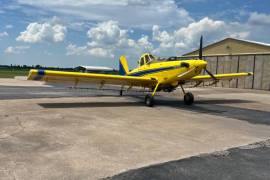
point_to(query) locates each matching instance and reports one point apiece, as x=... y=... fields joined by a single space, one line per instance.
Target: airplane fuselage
x=170 y=72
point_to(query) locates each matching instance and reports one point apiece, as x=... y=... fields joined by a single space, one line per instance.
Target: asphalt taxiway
x=59 y=133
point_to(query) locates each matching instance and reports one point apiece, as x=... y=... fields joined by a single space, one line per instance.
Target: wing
x=76 y=78
x=228 y=76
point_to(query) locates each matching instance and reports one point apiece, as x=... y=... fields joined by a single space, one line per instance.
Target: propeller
x=201 y=48
x=208 y=72
x=201 y=57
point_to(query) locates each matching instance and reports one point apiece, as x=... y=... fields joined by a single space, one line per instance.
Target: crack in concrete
x=20 y=128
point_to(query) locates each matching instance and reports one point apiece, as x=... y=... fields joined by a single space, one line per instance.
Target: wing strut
x=155 y=90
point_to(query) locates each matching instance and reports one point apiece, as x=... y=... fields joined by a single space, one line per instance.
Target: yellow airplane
x=152 y=73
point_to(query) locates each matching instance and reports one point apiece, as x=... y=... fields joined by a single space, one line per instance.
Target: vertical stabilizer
x=123 y=66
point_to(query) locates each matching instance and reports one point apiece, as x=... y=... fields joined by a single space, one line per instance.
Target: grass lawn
x=11 y=73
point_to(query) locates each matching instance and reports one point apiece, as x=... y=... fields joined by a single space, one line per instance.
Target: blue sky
x=68 y=33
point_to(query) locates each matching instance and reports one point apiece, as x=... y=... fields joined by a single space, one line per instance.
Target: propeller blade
x=208 y=72
x=201 y=48
x=213 y=77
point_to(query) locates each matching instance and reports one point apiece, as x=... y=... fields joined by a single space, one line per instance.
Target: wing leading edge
x=77 y=78
x=221 y=76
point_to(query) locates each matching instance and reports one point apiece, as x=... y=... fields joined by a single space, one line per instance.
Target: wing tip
x=31 y=73
x=35 y=74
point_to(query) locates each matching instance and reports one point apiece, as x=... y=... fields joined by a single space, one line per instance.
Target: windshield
x=147 y=59
x=142 y=61
x=152 y=58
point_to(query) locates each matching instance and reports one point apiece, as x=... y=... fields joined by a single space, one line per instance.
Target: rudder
x=123 y=66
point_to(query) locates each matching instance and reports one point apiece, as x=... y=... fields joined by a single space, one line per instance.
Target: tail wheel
x=188 y=98
x=149 y=100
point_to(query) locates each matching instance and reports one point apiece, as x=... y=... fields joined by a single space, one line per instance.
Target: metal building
x=93 y=69
x=237 y=55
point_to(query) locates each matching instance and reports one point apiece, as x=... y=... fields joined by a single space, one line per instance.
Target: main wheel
x=149 y=100
x=188 y=98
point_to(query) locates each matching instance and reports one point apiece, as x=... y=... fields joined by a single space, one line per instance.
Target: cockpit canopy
x=146 y=59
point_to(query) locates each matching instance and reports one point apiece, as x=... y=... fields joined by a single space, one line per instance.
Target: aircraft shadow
x=219 y=108
x=89 y=104
x=213 y=107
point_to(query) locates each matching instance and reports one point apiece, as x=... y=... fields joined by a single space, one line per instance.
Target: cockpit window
x=142 y=61
x=151 y=57
x=147 y=59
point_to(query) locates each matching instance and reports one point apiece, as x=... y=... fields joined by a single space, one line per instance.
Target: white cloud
x=111 y=35
x=145 y=44
x=241 y=35
x=129 y=13
x=258 y=26
x=259 y=19
x=106 y=32
x=16 y=49
x=72 y=2
x=187 y=38
x=3 y=34
x=86 y=50
x=48 y=53
x=189 y=35
x=9 y=26
x=36 y=32
x=101 y=52
x=107 y=38
x=165 y=39
x=73 y=49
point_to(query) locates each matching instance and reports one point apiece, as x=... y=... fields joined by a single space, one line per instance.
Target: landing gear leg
x=121 y=92
x=188 y=97
x=149 y=98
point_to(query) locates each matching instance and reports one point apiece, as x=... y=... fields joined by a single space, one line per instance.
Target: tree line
x=27 y=67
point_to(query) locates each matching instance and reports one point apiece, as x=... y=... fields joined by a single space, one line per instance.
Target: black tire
x=121 y=93
x=188 y=98
x=149 y=100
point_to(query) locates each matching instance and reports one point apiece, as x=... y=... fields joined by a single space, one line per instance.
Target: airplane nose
x=202 y=63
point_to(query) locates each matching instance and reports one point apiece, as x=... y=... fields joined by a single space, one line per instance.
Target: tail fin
x=123 y=66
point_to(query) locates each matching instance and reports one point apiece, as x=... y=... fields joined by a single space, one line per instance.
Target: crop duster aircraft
x=151 y=73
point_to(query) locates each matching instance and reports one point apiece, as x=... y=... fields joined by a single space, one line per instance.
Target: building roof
x=233 y=46
x=95 y=68
x=249 y=41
